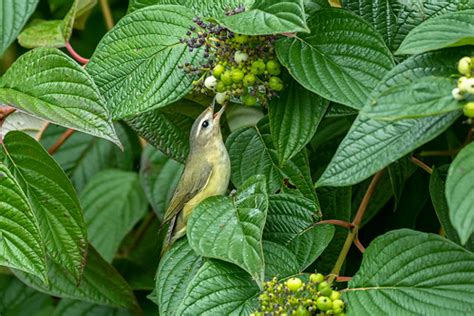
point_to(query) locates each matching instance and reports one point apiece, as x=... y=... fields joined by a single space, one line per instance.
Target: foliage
x=348 y=123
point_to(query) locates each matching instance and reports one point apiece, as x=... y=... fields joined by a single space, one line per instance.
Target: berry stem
x=61 y=140
x=5 y=111
x=75 y=55
x=109 y=21
x=355 y=230
x=421 y=164
x=335 y=222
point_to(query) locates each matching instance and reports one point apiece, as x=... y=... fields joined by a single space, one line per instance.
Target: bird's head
x=206 y=128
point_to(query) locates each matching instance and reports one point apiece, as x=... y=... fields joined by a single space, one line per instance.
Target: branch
x=109 y=21
x=64 y=136
x=75 y=55
x=421 y=164
x=335 y=222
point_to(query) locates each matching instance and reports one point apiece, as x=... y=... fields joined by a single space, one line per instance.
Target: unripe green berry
x=221 y=97
x=324 y=288
x=273 y=67
x=220 y=87
x=335 y=295
x=226 y=78
x=294 y=284
x=457 y=94
x=338 y=306
x=466 y=84
x=218 y=70
x=316 y=277
x=241 y=39
x=210 y=82
x=275 y=84
x=258 y=67
x=240 y=57
x=237 y=75
x=301 y=311
x=324 y=303
x=249 y=80
x=465 y=66
x=469 y=109
x=249 y=100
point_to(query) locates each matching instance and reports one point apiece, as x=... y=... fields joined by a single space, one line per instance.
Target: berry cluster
x=465 y=88
x=295 y=297
x=237 y=67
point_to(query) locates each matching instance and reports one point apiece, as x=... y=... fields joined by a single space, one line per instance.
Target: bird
x=206 y=173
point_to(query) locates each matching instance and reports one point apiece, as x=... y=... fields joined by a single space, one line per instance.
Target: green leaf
x=48 y=84
x=231 y=229
x=168 y=129
x=136 y=64
x=177 y=269
x=294 y=118
x=435 y=278
x=15 y=13
x=82 y=156
x=393 y=19
x=428 y=97
x=21 y=246
x=268 y=17
x=399 y=172
x=371 y=145
x=280 y=262
x=447 y=30
x=213 y=8
x=113 y=203
x=320 y=61
x=53 y=199
x=220 y=288
x=68 y=307
x=251 y=152
x=100 y=283
x=19 y=121
x=460 y=192
x=159 y=176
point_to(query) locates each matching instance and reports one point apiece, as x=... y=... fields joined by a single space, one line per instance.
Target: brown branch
x=61 y=140
x=335 y=222
x=358 y=244
x=109 y=21
x=343 y=278
x=5 y=111
x=421 y=164
x=75 y=55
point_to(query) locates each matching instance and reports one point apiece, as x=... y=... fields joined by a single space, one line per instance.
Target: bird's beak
x=217 y=116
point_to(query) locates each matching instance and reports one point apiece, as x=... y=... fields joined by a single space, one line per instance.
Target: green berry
x=249 y=100
x=226 y=78
x=263 y=297
x=258 y=67
x=218 y=70
x=469 y=109
x=338 y=306
x=301 y=311
x=324 y=289
x=335 y=295
x=465 y=65
x=210 y=82
x=220 y=87
x=316 y=277
x=221 y=97
x=241 y=39
x=240 y=57
x=249 y=80
x=237 y=75
x=275 y=84
x=324 y=303
x=294 y=284
x=457 y=94
x=273 y=67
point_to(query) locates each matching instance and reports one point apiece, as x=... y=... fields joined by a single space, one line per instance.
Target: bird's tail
x=168 y=240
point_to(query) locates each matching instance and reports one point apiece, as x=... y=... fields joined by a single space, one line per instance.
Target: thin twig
x=109 y=21
x=335 y=222
x=64 y=136
x=421 y=164
x=439 y=153
x=5 y=111
x=358 y=244
x=75 y=55
x=343 y=279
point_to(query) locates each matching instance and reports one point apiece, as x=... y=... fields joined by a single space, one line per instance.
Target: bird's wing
x=191 y=183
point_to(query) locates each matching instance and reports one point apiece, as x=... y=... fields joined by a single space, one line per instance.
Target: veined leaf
x=15 y=13
x=433 y=281
x=268 y=17
x=21 y=246
x=215 y=8
x=460 y=193
x=48 y=84
x=67 y=307
x=53 y=199
x=220 y=288
x=113 y=203
x=136 y=64
x=231 y=229
x=19 y=121
x=280 y=262
x=342 y=59
x=294 y=118
x=100 y=283
x=447 y=30
x=177 y=269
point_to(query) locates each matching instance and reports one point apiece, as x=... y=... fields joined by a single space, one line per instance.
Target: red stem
x=64 y=136
x=75 y=55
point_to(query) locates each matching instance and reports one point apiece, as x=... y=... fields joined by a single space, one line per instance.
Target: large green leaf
x=177 y=268
x=213 y=8
x=436 y=278
x=231 y=229
x=48 y=84
x=159 y=176
x=136 y=64
x=294 y=118
x=428 y=97
x=251 y=152
x=67 y=307
x=220 y=288
x=394 y=18
x=343 y=58
x=53 y=199
x=280 y=262
x=15 y=13
x=460 y=193
x=20 y=121
x=371 y=145
x=268 y=17
x=21 y=246
x=113 y=203
x=100 y=283
x=447 y=30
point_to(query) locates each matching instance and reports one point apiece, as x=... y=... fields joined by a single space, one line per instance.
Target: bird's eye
x=205 y=124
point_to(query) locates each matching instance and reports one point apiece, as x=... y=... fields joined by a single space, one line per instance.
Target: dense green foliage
x=348 y=123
